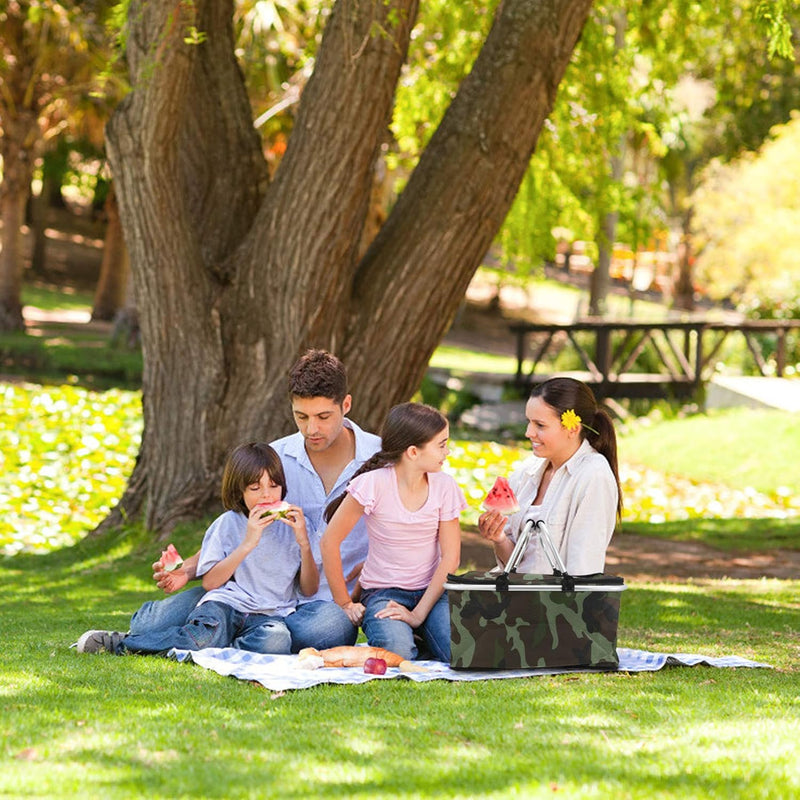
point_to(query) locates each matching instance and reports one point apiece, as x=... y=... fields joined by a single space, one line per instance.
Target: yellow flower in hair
x=570 y=420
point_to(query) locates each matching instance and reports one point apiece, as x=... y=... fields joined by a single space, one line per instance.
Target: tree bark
x=112 y=285
x=14 y=190
x=234 y=278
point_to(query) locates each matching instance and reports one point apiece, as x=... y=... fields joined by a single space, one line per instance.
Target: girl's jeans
x=398 y=636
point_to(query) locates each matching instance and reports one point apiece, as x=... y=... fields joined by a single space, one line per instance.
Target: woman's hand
x=393 y=610
x=355 y=612
x=491 y=526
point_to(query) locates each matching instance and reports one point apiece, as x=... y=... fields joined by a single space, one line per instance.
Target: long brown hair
x=245 y=466
x=563 y=394
x=407 y=425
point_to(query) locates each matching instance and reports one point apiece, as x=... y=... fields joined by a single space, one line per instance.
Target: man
x=319 y=459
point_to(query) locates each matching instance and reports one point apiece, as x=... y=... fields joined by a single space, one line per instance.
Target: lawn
x=102 y=726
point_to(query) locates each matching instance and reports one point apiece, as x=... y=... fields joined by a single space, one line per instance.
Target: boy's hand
x=255 y=526
x=295 y=519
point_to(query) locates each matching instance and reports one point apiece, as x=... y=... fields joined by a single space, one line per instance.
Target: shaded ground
x=644 y=558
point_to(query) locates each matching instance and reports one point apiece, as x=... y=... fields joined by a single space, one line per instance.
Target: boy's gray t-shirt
x=265 y=582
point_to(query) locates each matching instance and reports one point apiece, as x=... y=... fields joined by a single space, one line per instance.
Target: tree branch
x=455 y=202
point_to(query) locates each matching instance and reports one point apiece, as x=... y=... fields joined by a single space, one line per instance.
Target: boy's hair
x=563 y=394
x=244 y=467
x=407 y=425
x=318 y=373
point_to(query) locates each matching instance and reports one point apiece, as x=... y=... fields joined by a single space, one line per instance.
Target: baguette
x=352 y=656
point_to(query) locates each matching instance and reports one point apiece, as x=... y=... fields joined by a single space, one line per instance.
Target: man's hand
x=169 y=581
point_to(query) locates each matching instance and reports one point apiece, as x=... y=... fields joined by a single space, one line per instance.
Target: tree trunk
x=112 y=285
x=683 y=292
x=600 y=282
x=234 y=278
x=14 y=190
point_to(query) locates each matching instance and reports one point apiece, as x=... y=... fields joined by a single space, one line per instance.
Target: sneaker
x=99 y=642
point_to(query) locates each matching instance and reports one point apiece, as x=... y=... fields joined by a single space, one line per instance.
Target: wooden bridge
x=646 y=359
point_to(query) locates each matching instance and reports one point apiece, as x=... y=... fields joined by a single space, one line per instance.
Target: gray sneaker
x=100 y=641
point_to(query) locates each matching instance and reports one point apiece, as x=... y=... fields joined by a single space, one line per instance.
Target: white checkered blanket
x=280 y=673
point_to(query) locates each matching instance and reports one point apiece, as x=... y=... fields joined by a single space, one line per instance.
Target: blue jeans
x=398 y=636
x=319 y=623
x=171 y=612
x=214 y=624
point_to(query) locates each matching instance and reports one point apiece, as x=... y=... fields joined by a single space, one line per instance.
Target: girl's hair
x=563 y=394
x=406 y=425
x=245 y=466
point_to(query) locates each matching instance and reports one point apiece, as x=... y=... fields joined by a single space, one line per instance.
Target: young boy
x=319 y=460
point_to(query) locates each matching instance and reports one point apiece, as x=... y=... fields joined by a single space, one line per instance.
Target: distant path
x=650 y=559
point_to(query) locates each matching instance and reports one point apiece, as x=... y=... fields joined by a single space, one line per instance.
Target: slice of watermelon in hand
x=170 y=559
x=501 y=498
x=277 y=509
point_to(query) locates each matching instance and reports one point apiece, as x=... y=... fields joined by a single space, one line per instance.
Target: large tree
x=235 y=275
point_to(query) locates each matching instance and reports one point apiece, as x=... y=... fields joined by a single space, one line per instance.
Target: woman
x=571 y=483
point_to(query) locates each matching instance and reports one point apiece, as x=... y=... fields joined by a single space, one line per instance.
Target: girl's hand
x=295 y=519
x=355 y=612
x=491 y=526
x=393 y=610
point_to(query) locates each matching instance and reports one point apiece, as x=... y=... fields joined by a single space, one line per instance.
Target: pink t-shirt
x=403 y=545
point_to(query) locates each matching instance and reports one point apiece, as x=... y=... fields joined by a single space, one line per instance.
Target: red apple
x=375 y=666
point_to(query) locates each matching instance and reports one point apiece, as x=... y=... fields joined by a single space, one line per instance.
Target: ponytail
x=597 y=426
x=605 y=442
x=380 y=459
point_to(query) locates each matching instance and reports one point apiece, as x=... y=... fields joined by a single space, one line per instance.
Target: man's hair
x=245 y=466
x=318 y=373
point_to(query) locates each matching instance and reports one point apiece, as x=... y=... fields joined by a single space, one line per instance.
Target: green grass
x=52 y=298
x=102 y=726
x=738 y=447
x=732 y=535
x=459 y=360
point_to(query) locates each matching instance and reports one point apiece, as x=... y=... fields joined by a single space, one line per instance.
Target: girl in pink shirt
x=411 y=509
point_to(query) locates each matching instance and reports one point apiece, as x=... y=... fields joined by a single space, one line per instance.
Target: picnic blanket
x=280 y=673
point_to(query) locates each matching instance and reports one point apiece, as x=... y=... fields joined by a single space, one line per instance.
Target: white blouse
x=579 y=509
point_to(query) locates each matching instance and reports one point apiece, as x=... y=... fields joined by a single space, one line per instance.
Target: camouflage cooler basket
x=506 y=620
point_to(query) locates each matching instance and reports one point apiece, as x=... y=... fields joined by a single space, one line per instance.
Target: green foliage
x=747 y=217
x=65 y=456
x=66 y=453
x=92 y=726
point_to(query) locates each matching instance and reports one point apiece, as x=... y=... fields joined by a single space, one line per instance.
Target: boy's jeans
x=214 y=624
x=317 y=624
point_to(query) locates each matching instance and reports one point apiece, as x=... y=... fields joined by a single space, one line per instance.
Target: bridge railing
x=614 y=363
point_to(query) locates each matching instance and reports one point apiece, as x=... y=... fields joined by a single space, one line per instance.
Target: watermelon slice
x=501 y=498
x=170 y=559
x=277 y=509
